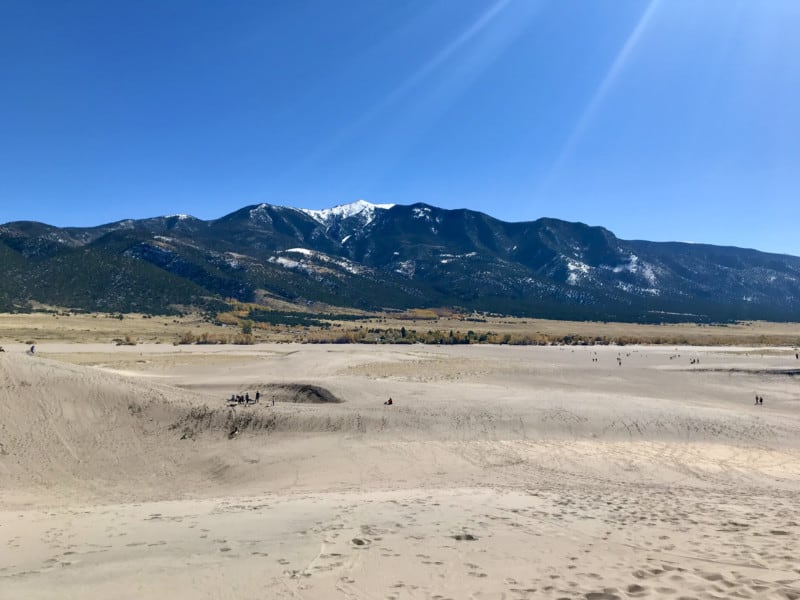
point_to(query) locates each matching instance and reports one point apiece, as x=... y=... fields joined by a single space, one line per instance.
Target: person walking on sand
x=258 y=396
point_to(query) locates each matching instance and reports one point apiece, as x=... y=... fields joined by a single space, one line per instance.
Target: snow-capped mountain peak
x=366 y=210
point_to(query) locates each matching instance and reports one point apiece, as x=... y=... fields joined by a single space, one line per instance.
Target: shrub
x=244 y=339
x=187 y=338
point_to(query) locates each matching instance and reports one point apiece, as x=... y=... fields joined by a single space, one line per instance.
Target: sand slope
x=499 y=473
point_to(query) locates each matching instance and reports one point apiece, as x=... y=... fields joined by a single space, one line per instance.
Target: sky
x=658 y=119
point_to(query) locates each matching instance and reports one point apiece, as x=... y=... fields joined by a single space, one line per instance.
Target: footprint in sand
x=635 y=589
x=602 y=596
x=666 y=590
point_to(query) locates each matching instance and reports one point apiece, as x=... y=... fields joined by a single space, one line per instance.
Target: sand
x=499 y=472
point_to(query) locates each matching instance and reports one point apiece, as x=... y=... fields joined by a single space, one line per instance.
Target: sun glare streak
x=588 y=114
x=453 y=82
x=470 y=32
x=412 y=82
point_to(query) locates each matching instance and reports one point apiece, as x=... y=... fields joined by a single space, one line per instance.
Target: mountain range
x=383 y=256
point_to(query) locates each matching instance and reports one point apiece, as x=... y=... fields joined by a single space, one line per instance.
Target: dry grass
x=86 y=328
x=517 y=331
x=99 y=327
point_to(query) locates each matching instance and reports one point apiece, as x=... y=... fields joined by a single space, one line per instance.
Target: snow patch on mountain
x=320 y=257
x=636 y=266
x=422 y=213
x=235 y=260
x=259 y=213
x=407 y=268
x=361 y=208
x=448 y=258
x=632 y=289
x=576 y=270
x=288 y=263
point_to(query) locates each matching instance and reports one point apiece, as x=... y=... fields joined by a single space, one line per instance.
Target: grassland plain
x=63 y=325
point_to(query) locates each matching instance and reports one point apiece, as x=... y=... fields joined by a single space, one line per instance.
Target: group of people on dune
x=246 y=399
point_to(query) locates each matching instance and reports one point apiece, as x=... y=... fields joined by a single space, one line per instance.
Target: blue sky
x=662 y=120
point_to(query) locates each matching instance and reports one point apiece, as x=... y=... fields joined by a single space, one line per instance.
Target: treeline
x=283 y=317
x=377 y=335
x=451 y=337
x=215 y=338
x=444 y=337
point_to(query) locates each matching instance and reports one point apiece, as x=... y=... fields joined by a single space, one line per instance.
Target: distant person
x=247 y=398
x=273 y=401
x=33 y=349
x=761 y=400
x=258 y=396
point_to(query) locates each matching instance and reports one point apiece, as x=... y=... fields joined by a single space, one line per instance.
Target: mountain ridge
x=393 y=256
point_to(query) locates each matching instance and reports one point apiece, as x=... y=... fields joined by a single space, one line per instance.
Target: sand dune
x=499 y=472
